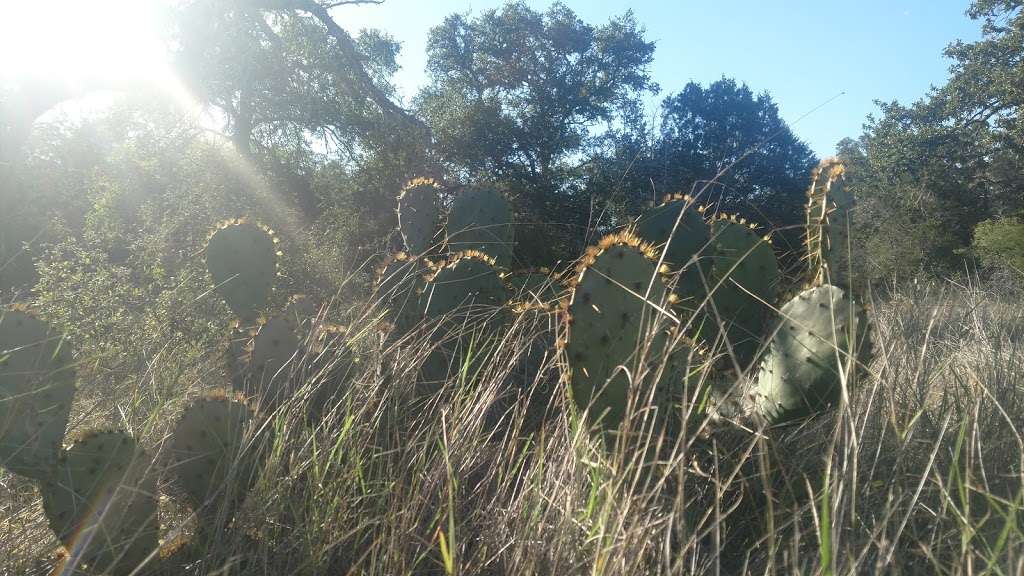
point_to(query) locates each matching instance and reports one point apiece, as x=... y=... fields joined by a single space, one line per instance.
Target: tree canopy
x=927 y=173
x=516 y=97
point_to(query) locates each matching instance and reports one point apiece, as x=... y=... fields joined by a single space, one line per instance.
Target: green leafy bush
x=999 y=242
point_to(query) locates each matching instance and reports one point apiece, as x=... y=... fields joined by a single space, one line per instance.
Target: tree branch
x=348 y=50
x=329 y=5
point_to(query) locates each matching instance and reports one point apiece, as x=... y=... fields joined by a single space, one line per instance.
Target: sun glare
x=80 y=41
x=94 y=45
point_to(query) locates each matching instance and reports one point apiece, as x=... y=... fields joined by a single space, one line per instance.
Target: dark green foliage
x=242 y=259
x=927 y=173
x=101 y=501
x=1000 y=242
x=515 y=95
x=727 y=134
x=723 y=144
x=37 y=386
x=821 y=338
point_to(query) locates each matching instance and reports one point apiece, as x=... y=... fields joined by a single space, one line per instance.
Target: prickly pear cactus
x=820 y=339
x=829 y=219
x=534 y=287
x=464 y=298
x=618 y=305
x=334 y=364
x=17 y=270
x=745 y=277
x=466 y=280
x=215 y=460
x=689 y=247
x=273 y=351
x=242 y=258
x=418 y=214
x=301 y=313
x=101 y=501
x=534 y=377
x=399 y=288
x=482 y=220
x=37 y=386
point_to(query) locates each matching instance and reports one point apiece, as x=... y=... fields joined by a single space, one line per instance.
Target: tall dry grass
x=493 y=471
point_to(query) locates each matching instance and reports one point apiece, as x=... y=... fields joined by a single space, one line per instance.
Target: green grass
x=920 y=473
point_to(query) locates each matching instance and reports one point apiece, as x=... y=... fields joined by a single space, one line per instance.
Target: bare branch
x=347 y=48
x=330 y=5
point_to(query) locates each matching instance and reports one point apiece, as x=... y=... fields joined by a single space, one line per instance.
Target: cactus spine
x=829 y=219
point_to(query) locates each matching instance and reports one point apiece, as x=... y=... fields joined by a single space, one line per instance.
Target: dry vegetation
x=920 y=473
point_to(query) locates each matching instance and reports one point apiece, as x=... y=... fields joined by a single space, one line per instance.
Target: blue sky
x=803 y=52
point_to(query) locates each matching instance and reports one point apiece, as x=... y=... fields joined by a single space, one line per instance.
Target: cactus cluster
x=100 y=492
x=634 y=324
x=646 y=301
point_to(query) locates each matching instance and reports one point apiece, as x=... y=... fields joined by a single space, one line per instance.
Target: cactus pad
x=242 y=258
x=36 y=390
x=301 y=312
x=466 y=298
x=272 y=350
x=829 y=218
x=688 y=248
x=746 y=278
x=400 y=286
x=418 y=214
x=619 y=303
x=214 y=459
x=533 y=287
x=467 y=280
x=102 y=503
x=482 y=220
x=811 y=351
